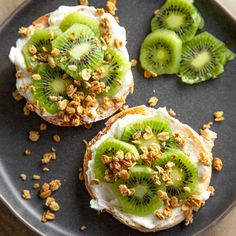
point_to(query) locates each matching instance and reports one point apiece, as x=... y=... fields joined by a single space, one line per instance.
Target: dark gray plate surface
x=194 y=106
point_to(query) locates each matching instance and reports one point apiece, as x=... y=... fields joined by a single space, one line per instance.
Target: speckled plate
x=194 y=105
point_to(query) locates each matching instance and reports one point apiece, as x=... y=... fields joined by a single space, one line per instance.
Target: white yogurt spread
x=55 y=19
x=104 y=196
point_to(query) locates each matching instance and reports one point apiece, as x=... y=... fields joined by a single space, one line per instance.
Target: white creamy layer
x=55 y=19
x=104 y=195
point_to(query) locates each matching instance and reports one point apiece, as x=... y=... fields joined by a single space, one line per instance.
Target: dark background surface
x=194 y=106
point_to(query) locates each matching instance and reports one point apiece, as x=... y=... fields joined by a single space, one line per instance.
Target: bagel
x=195 y=145
x=52 y=21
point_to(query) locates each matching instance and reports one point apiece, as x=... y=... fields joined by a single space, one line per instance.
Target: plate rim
x=33 y=228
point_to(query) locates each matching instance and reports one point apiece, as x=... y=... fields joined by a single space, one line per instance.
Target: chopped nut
x=84 y=2
x=72 y=68
x=43 y=126
x=36 y=186
x=36 y=77
x=27 y=152
x=26 y=194
x=218 y=115
x=45 y=169
x=52 y=204
x=171 y=112
x=56 y=138
x=83 y=228
x=34 y=136
x=211 y=189
x=47 y=215
x=204 y=159
x=36 y=177
x=152 y=102
x=217 y=163
x=81 y=175
x=16 y=95
x=134 y=62
x=159 y=215
x=55 y=52
x=23 y=177
x=55 y=184
x=86 y=74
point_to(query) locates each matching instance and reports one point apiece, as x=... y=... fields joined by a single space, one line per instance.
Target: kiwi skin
x=184 y=169
x=161 y=52
x=145 y=200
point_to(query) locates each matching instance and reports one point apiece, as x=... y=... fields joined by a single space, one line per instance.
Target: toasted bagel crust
x=142 y=110
x=43 y=20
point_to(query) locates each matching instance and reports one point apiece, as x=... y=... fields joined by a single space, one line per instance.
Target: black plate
x=194 y=105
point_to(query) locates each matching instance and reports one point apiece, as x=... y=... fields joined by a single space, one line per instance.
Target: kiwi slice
x=51 y=84
x=161 y=52
x=144 y=201
x=203 y=58
x=79 y=49
x=184 y=173
x=157 y=124
x=115 y=69
x=81 y=18
x=37 y=48
x=110 y=147
x=180 y=16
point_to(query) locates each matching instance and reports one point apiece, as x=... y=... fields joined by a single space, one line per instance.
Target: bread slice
x=143 y=110
x=43 y=21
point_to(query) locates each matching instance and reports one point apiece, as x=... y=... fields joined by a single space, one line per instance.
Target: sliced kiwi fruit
x=37 y=48
x=180 y=16
x=203 y=58
x=161 y=52
x=115 y=67
x=110 y=147
x=79 y=49
x=51 y=84
x=157 y=124
x=81 y=18
x=184 y=173
x=144 y=201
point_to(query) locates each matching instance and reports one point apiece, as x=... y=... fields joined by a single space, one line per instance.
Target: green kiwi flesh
x=180 y=16
x=84 y=52
x=110 y=147
x=41 y=40
x=116 y=68
x=80 y=18
x=184 y=173
x=51 y=83
x=203 y=58
x=158 y=124
x=161 y=52
x=145 y=200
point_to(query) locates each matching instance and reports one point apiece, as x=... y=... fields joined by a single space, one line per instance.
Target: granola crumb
x=117 y=19
x=45 y=191
x=117 y=43
x=218 y=116
x=83 y=228
x=36 y=186
x=16 y=95
x=26 y=194
x=159 y=215
x=81 y=175
x=55 y=185
x=45 y=169
x=217 y=163
x=84 y=2
x=211 y=189
x=48 y=215
x=134 y=62
x=100 y=11
x=23 y=176
x=111 y=7
x=24 y=32
x=43 y=127
x=152 y=101
x=52 y=204
x=171 y=112
x=207 y=125
x=149 y=74
x=56 y=138
x=27 y=152
x=36 y=177
x=34 y=136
